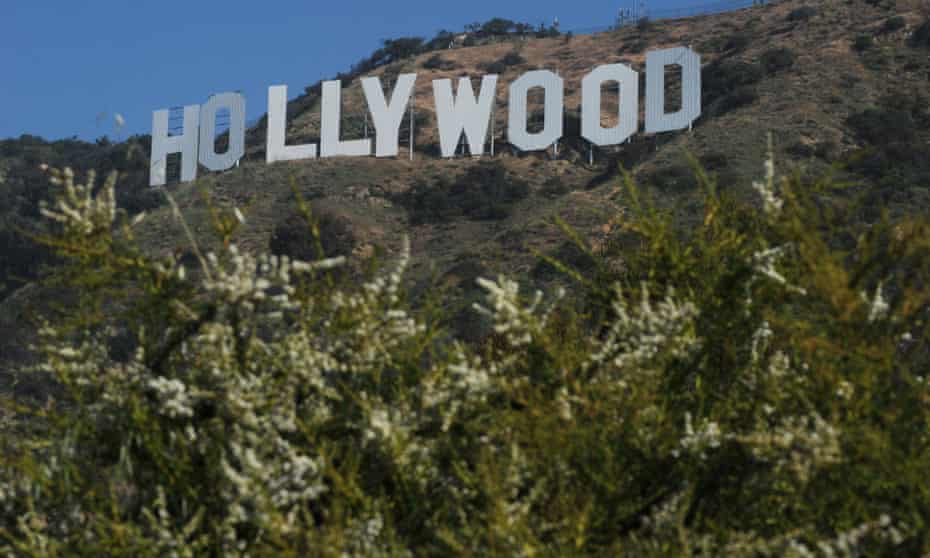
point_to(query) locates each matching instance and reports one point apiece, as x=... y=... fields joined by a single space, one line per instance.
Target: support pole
x=412 y=98
x=555 y=146
x=493 y=120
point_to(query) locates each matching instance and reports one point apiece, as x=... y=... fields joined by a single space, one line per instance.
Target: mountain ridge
x=794 y=69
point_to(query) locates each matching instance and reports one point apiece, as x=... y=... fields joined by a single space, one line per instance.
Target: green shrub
x=554 y=187
x=721 y=78
x=737 y=41
x=437 y=62
x=893 y=24
x=441 y=41
x=403 y=47
x=742 y=96
x=823 y=150
x=921 y=36
x=777 y=59
x=328 y=234
x=883 y=125
x=24 y=185
x=499 y=26
x=513 y=58
x=870 y=162
x=728 y=85
x=577 y=258
x=673 y=177
x=484 y=192
x=714 y=160
x=508 y=61
x=802 y=14
x=739 y=389
x=635 y=46
x=895 y=138
x=547 y=32
x=495 y=67
x=627 y=159
x=826 y=150
x=21 y=258
x=863 y=42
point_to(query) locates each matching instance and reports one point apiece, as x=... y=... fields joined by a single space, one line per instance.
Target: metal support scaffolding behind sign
x=412 y=131
x=172 y=163
x=493 y=121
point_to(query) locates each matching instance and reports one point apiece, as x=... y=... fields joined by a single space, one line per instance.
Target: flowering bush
x=740 y=389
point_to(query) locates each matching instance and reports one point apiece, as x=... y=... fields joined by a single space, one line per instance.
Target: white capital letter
x=163 y=145
x=628 y=109
x=552 y=129
x=209 y=158
x=656 y=118
x=387 y=118
x=330 y=144
x=463 y=112
x=275 y=150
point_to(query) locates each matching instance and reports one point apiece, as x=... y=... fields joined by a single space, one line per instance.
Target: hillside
x=803 y=71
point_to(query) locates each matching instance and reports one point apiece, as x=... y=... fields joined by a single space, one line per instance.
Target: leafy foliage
x=673 y=177
x=863 y=42
x=23 y=185
x=740 y=389
x=484 y=191
x=731 y=44
x=921 y=36
x=554 y=187
x=437 y=62
x=499 y=26
x=442 y=40
x=403 y=47
x=777 y=59
x=895 y=153
x=737 y=41
x=506 y=62
x=297 y=239
x=802 y=14
x=893 y=24
x=727 y=85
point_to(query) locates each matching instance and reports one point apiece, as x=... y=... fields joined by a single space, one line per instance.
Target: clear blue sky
x=66 y=62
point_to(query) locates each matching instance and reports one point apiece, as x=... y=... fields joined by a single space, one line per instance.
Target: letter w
x=464 y=113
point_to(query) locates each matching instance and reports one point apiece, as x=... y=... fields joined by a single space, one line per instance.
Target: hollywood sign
x=456 y=114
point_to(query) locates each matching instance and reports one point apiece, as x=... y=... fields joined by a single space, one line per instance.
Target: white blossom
x=639 y=333
x=878 y=306
x=707 y=436
x=771 y=202
x=172 y=393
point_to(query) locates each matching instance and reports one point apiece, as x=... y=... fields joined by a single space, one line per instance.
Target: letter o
x=209 y=158
x=519 y=90
x=628 y=110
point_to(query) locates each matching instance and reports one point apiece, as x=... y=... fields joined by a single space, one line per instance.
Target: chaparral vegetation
x=754 y=386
